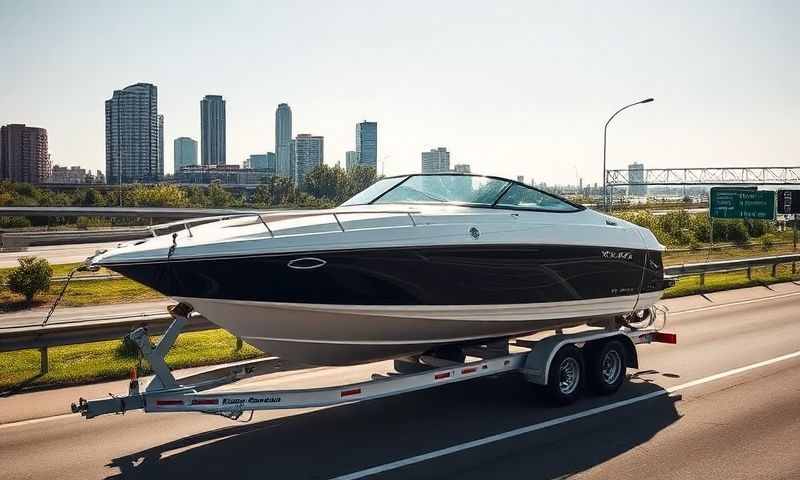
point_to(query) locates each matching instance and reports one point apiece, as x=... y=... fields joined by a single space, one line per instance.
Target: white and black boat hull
x=325 y=334
x=352 y=306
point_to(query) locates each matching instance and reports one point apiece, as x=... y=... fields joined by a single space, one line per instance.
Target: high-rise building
x=309 y=153
x=350 y=160
x=521 y=178
x=160 y=146
x=132 y=134
x=462 y=168
x=283 y=138
x=23 y=154
x=435 y=161
x=212 y=130
x=185 y=150
x=69 y=175
x=256 y=161
x=367 y=143
x=264 y=162
x=636 y=175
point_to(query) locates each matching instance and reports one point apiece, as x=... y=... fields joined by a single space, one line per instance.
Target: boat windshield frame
x=509 y=183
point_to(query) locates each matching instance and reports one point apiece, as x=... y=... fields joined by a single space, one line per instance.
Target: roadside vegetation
x=79 y=293
x=716 y=282
x=325 y=186
x=78 y=364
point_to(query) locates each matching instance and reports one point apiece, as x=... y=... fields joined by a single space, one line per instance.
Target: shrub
x=14 y=222
x=31 y=277
x=757 y=228
x=767 y=241
x=84 y=223
x=736 y=232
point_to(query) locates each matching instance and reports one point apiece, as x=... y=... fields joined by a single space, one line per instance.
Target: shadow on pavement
x=336 y=441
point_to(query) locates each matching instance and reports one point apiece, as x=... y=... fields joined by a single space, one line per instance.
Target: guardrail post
x=794 y=268
x=775 y=270
x=45 y=365
x=749 y=272
x=239 y=344
x=702 y=279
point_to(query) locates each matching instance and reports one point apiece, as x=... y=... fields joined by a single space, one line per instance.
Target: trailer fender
x=537 y=363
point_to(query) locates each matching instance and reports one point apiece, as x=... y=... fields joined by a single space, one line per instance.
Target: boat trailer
x=559 y=365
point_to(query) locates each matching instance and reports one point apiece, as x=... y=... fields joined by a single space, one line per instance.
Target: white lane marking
x=733 y=304
x=556 y=421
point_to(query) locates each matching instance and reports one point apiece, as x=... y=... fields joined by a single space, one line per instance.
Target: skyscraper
x=256 y=161
x=436 y=160
x=309 y=153
x=132 y=134
x=283 y=139
x=23 y=154
x=185 y=152
x=636 y=175
x=367 y=143
x=350 y=160
x=160 y=146
x=212 y=130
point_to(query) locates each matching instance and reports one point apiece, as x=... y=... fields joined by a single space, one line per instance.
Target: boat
x=412 y=265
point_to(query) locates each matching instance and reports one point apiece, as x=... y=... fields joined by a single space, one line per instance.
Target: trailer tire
x=565 y=378
x=606 y=365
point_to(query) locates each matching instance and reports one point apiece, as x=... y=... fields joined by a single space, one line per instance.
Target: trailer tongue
x=560 y=365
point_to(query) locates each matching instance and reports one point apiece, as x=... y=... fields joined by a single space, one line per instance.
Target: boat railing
x=266 y=218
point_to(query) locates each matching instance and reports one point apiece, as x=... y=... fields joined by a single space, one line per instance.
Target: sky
x=509 y=87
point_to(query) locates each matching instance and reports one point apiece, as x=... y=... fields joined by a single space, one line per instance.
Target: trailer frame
x=194 y=394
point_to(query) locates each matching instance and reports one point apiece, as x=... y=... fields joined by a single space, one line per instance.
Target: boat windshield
x=462 y=190
x=445 y=189
x=373 y=191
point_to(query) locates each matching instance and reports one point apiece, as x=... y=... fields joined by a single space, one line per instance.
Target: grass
x=90 y=362
x=715 y=282
x=79 y=294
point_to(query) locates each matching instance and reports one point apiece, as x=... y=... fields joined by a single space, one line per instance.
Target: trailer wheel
x=606 y=367
x=565 y=378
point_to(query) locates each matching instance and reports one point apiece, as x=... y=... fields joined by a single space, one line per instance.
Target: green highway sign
x=727 y=202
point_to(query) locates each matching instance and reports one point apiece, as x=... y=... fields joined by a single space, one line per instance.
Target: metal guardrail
x=719 y=266
x=73 y=333
x=144 y=212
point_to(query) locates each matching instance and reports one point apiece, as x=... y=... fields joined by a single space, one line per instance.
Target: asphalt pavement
x=62 y=314
x=723 y=403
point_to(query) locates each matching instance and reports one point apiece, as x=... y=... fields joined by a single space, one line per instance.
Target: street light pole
x=605 y=135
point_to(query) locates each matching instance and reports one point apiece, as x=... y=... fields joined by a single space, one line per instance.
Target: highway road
x=723 y=403
x=56 y=254
x=35 y=316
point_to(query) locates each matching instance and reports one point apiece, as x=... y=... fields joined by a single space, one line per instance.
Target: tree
x=359 y=178
x=31 y=277
x=218 y=197
x=163 y=195
x=327 y=182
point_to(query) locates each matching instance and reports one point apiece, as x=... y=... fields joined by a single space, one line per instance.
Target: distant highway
x=56 y=254
x=733 y=413
x=85 y=314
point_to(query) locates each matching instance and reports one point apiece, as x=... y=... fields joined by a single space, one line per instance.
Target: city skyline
x=543 y=117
